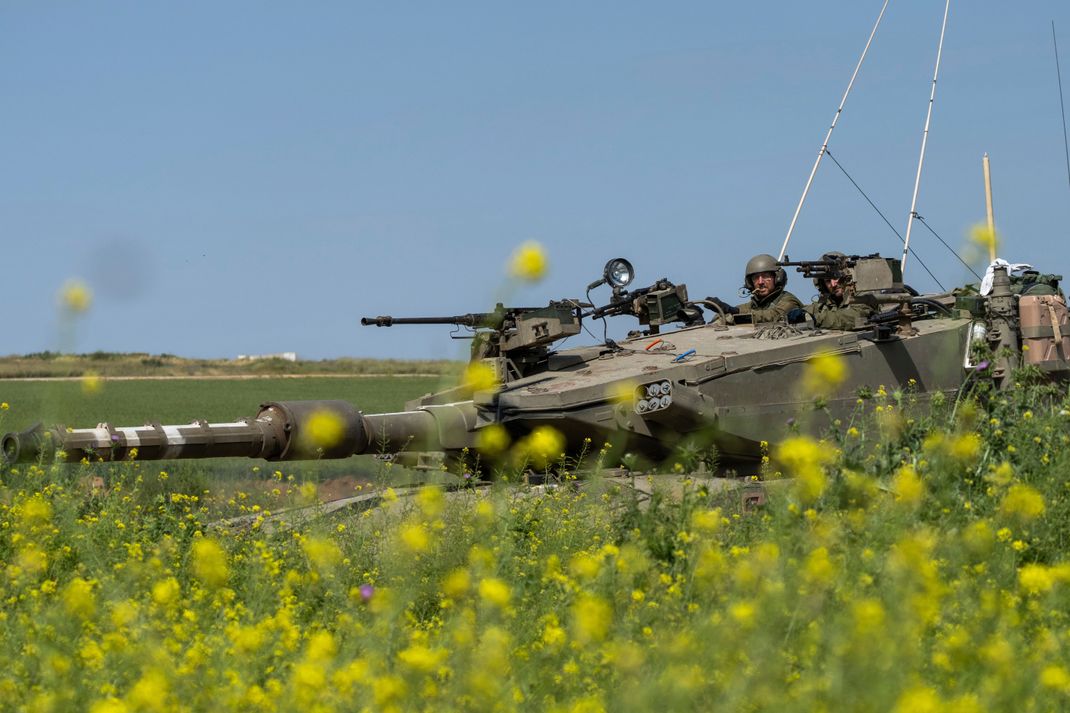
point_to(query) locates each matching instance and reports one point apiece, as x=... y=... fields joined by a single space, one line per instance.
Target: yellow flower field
x=912 y=569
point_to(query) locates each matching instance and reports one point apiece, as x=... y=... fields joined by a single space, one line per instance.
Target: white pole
x=825 y=145
x=924 y=140
x=987 y=166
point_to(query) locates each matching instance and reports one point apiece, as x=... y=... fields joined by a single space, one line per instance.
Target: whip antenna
x=824 y=146
x=924 y=139
x=1059 y=76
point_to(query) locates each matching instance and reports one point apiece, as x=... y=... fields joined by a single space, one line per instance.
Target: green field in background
x=179 y=401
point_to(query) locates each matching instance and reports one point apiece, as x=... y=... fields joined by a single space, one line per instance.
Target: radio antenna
x=824 y=147
x=1062 y=106
x=924 y=140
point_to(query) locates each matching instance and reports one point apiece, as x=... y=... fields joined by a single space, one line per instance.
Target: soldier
x=769 y=302
x=834 y=309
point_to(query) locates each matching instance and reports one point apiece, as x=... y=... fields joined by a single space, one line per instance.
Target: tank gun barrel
x=280 y=431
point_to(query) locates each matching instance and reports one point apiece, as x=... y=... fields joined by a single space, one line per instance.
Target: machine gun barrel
x=280 y=431
x=818 y=268
x=492 y=320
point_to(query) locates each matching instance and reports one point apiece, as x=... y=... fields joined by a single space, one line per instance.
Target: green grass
x=178 y=401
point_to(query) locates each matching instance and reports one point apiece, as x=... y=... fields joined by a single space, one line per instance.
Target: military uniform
x=828 y=313
x=774 y=308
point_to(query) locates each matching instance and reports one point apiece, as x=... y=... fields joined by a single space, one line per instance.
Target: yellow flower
x=92 y=384
x=415 y=538
x=36 y=512
x=984 y=237
x=246 y=639
x=824 y=373
x=386 y=690
x=324 y=429
x=909 y=488
x=484 y=512
x=430 y=500
x=708 y=521
x=422 y=658
x=868 y=615
x=321 y=647
x=78 y=598
x=584 y=566
x=622 y=392
x=456 y=583
x=919 y=699
x=166 y=591
x=542 y=446
x=528 y=262
x=743 y=613
x=479 y=376
x=1002 y=474
x=966 y=447
x=32 y=560
x=819 y=569
x=496 y=592
x=150 y=692
x=309 y=677
x=322 y=553
x=1035 y=579
x=591 y=618
x=1022 y=503
x=805 y=459
x=492 y=439
x=979 y=538
x=75 y=296
x=209 y=562
x=109 y=705
x=553 y=635
x=1055 y=677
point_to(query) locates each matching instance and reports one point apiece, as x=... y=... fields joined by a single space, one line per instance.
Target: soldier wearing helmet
x=769 y=302
x=835 y=308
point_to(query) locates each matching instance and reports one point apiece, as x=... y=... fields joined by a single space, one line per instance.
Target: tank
x=677 y=382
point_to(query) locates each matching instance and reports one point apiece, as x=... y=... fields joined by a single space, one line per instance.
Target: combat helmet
x=764 y=263
x=819 y=282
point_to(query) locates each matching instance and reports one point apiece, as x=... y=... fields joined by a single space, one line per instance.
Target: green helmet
x=764 y=263
x=819 y=282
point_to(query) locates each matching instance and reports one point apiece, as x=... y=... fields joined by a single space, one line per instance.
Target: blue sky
x=251 y=177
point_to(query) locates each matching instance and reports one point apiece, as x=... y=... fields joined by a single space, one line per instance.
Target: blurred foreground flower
x=541 y=447
x=75 y=296
x=325 y=429
x=209 y=561
x=805 y=460
x=622 y=392
x=479 y=376
x=493 y=439
x=824 y=373
x=528 y=262
x=1022 y=503
x=984 y=237
x=92 y=384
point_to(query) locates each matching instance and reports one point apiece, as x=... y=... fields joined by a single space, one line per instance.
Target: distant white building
x=285 y=356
